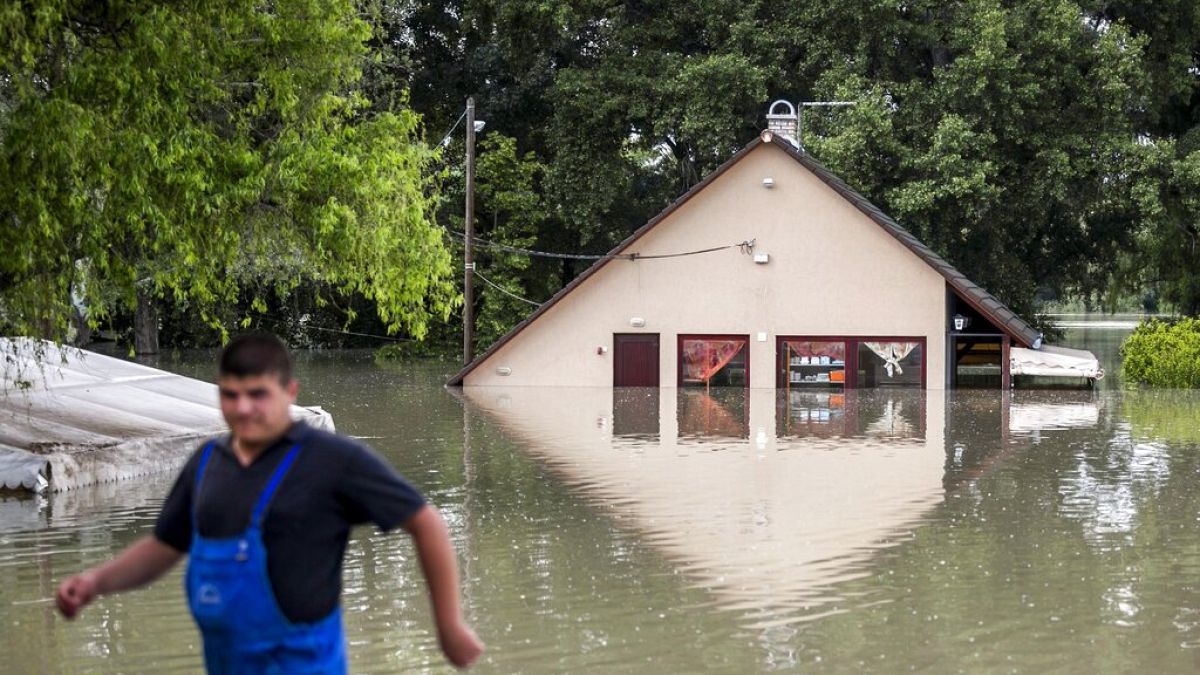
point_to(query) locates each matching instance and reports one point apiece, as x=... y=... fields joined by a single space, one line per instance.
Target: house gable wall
x=832 y=271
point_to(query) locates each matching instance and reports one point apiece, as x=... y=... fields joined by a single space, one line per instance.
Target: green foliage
x=511 y=212
x=205 y=151
x=1001 y=135
x=221 y=154
x=1031 y=144
x=1163 y=354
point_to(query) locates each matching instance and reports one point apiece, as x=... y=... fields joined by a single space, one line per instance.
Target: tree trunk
x=83 y=332
x=145 y=324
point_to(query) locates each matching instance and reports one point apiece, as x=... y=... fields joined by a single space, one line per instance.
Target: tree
x=1004 y=135
x=510 y=211
x=198 y=151
x=1166 y=260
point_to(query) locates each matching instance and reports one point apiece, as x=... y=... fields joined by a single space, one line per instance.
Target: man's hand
x=439 y=563
x=460 y=644
x=144 y=561
x=76 y=593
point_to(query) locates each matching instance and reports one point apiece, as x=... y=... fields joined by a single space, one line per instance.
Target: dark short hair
x=252 y=354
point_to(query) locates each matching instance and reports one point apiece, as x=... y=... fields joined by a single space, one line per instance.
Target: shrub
x=1163 y=354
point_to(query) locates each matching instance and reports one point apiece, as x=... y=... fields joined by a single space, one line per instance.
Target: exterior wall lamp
x=961 y=322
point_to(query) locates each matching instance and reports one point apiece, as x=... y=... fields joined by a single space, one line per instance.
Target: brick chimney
x=783 y=121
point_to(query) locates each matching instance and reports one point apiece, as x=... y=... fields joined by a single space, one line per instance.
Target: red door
x=636 y=360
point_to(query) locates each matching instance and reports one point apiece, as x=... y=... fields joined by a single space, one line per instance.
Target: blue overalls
x=231 y=599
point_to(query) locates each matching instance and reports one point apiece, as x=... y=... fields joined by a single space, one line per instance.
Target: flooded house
x=773 y=273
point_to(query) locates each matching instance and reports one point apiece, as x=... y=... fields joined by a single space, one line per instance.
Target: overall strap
x=268 y=492
x=208 y=448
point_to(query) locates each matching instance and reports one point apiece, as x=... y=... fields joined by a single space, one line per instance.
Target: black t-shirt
x=334 y=484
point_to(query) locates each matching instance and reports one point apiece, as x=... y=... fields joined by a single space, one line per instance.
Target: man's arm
x=143 y=562
x=440 y=567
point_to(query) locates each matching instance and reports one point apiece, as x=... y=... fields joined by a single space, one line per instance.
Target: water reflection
x=627 y=531
x=769 y=524
x=895 y=415
x=718 y=413
x=635 y=412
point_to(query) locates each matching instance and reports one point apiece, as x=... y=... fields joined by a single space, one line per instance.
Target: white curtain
x=892 y=353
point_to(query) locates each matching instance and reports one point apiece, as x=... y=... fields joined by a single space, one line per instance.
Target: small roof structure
x=70 y=417
x=973 y=294
x=1053 y=361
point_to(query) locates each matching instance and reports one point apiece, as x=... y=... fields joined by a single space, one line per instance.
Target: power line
x=305 y=326
x=513 y=249
x=496 y=286
x=456 y=123
x=746 y=246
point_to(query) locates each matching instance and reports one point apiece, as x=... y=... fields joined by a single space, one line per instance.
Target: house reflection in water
x=766 y=500
x=715 y=414
x=896 y=415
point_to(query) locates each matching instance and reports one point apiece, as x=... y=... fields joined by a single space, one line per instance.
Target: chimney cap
x=790 y=110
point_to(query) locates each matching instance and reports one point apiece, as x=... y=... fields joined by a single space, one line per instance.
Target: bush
x=1163 y=354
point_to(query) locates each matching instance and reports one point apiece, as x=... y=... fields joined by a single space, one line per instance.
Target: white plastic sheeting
x=1051 y=361
x=20 y=470
x=70 y=417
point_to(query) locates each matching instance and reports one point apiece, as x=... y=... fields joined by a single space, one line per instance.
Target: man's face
x=256 y=406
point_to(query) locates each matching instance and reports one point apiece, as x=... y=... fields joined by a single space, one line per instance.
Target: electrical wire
x=303 y=326
x=496 y=286
x=456 y=123
x=746 y=246
x=525 y=251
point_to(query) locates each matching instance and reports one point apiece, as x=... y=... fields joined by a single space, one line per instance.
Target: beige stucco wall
x=832 y=272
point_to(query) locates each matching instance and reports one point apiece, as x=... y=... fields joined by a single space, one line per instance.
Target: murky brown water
x=635 y=531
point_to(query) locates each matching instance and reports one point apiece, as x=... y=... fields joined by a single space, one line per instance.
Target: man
x=264 y=515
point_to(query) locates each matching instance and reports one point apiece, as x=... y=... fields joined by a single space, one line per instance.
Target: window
x=814 y=364
x=827 y=363
x=890 y=364
x=714 y=361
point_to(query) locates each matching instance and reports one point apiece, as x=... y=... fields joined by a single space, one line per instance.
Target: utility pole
x=469 y=230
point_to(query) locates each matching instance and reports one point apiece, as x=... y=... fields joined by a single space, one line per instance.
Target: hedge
x=1163 y=354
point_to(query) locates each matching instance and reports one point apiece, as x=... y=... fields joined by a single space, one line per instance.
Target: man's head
x=254 y=376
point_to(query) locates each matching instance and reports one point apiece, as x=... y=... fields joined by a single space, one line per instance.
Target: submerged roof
x=970 y=292
x=71 y=417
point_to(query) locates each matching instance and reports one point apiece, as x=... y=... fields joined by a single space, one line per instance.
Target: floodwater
x=681 y=531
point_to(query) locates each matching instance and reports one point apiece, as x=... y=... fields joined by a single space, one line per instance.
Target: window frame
x=680 y=337
x=852 y=343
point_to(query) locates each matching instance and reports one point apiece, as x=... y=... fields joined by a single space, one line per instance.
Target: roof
x=70 y=417
x=970 y=292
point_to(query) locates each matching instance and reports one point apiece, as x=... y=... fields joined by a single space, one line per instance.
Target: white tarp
x=71 y=417
x=1051 y=361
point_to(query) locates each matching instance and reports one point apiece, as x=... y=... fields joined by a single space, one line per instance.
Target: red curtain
x=836 y=351
x=704 y=358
